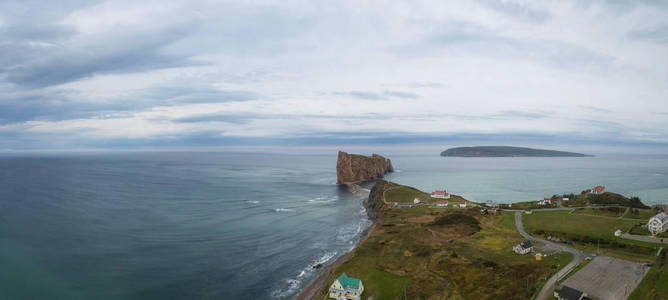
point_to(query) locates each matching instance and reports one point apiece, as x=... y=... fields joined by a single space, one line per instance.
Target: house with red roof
x=545 y=201
x=442 y=203
x=440 y=194
x=598 y=190
x=462 y=204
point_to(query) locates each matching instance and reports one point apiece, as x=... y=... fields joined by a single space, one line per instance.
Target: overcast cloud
x=135 y=74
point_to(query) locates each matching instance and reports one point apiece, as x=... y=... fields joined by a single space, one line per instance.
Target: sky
x=280 y=74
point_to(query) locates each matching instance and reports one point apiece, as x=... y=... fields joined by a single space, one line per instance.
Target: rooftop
x=348 y=282
x=569 y=293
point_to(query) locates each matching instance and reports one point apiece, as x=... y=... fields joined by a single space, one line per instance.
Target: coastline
x=309 y=292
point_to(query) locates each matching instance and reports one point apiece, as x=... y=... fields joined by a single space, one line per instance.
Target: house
x=442 y=203
x=523 y=247
x=567 y=293
x=346 y=287
x=545 y=201
x=564 y=198
x=440 y=194
x=539 y=256
x=462 y=204
x=618 y=232
x=598 y=190
x=528 y=212
x=658 y=224
x=416 y=200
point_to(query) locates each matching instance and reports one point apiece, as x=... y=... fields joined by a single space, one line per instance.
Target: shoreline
x=310 y=290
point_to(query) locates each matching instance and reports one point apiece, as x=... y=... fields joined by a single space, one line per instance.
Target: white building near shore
x=658 y=224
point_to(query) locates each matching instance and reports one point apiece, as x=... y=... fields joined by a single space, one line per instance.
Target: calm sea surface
x=231 y=225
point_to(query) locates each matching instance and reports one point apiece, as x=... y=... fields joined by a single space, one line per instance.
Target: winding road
x=578 y=256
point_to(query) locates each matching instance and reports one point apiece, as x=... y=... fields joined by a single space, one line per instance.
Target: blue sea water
x=233 y=225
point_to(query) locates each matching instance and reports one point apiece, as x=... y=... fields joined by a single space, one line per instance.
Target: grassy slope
x=655 y=283
x=405 y=253
x=582 y=227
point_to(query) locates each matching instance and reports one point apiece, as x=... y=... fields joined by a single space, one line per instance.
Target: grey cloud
x=515 y=114
x=656 y=34
x=468 y=38
x=56 y=105
x=363 y=95
x=518 y=11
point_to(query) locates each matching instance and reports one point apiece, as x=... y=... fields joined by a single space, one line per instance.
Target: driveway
x=644 y=238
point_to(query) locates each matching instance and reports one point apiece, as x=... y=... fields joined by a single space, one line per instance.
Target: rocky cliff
x=374 y=202
x=354 y=167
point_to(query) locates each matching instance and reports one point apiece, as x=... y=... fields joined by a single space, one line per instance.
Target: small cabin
x=442 y=203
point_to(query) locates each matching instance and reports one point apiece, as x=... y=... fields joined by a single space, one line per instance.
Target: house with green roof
x=345 y=287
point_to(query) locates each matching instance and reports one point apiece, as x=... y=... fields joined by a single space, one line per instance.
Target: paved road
x=578 y=256
x=645 y=238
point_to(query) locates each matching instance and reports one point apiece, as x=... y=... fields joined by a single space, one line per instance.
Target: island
x=352 y=168
x=507 y=151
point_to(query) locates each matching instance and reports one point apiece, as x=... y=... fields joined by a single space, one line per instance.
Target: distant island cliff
x=354 y=167
x=507 y=151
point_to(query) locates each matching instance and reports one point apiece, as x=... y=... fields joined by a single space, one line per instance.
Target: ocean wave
x=253 y=201
x=325 y=199
x=283 y=209
x=293 y=284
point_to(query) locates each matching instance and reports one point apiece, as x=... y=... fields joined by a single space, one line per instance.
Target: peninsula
x=507 y=151
x=351 y=168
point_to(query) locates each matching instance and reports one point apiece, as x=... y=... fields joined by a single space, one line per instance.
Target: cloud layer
x=117 y=74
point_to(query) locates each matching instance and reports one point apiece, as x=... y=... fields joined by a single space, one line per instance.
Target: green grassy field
x=586 y=231
x=413 y=251
x=606 y=212
x=655 y=283
x=641 y=214
x=404 y=194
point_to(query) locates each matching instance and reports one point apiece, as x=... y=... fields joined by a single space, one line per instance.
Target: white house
x=618 y=232
x=442 y=203
x=658 y=224
x=440 y=194
x=523 y=247
x=416 y=200
x=346 y=287
x=462 y=204
x=545 y=201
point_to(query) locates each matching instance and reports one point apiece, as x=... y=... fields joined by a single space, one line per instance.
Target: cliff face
x=354 y=167
x=374 y=203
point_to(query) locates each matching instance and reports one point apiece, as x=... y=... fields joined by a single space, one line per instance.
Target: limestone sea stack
x=354 y=167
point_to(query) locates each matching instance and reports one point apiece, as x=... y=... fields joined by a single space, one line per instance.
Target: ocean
x=192 y=225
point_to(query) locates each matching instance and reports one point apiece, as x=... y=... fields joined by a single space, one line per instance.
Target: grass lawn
x=642 y=214
x=586 y=231
x=404 y=194
x=606 y=212
x=562 y=221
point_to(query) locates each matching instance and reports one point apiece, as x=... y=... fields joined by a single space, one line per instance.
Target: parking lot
x=608 y=278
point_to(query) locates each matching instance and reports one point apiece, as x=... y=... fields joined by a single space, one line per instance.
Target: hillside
x=506 y=151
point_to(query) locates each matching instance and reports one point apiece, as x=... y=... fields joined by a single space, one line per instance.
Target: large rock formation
x=354 y=168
